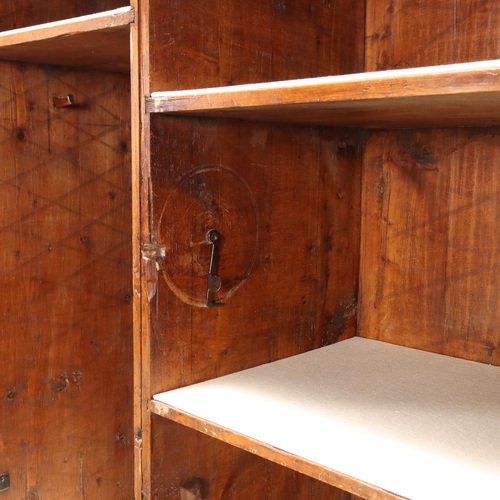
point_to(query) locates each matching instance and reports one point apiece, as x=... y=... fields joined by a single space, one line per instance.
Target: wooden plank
x=138 y=49
x=411 y=33
x=202 y=464
x=95 y=41
x=289 y=250
x=359 y=409
x=15 y=14
x=65 y=293
x=460 y=94
x=430 y=255
x=224 y=42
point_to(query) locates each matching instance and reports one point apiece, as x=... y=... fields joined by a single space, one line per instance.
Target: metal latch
x=214 y=283
x=154 y=252
x=4 y=481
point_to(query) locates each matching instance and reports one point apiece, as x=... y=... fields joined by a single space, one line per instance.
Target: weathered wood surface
x=286 y=201
x=100 y=41
x=411 y=33
x=430 y=260
x=459 y=94
x=65 y=291
x=21 y=13
x=217 y=43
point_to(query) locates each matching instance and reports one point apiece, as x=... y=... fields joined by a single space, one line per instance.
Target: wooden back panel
x=21 y=13
x=430 y=260
x=429 y=256
x=65 y=285
x=210 y=43
x=410 y=33
x=286 y=202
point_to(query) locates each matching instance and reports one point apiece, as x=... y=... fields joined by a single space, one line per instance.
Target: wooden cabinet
x=313 y=215
x=66 y=375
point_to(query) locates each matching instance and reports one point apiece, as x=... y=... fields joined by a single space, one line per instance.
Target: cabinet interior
x=350 y=208
x=338 y=220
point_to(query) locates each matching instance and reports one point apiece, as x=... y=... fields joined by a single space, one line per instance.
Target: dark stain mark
x=11 y=394
x=18 y=254
x=419 y=153
x=380 y=188
x=335 y=324
x=127 y=298
x=309 y=248
x=98 y=481
x=34 y=204
x=121 y=438
x=197 y=487
x=85 y=241
x=31 y=106
x=327 y=243
x=390 y=9
x=490 y=348
x=347 y=149
x=123 y=147
x=112 y=195
x=20 y=134
x=23 y=443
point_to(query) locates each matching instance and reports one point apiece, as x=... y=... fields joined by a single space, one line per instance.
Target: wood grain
x=65 y=294
x=411 y=33
x=21 y=13
x=217 y=43
x=429 y=267
x=217 y=470
x=269 y=192
x=100 y=41
x=461 y=94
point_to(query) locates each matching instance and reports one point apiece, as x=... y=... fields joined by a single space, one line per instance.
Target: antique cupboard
x=249 y=249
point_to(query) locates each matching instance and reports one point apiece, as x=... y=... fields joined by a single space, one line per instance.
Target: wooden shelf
x=363 y=415
x=450 y=95
x=98 y=41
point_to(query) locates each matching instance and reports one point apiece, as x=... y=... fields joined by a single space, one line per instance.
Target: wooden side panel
x=286 y=202
x=65 y=285
x=198 y=468
x=430 y=223
x=204 y=43
x=21 y=13
x=409 y=33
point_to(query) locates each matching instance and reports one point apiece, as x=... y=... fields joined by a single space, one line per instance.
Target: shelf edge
x=66 y=27
x=477 y=78
x=268 y=452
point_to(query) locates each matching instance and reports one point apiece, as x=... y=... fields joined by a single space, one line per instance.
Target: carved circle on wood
x=208 y=197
